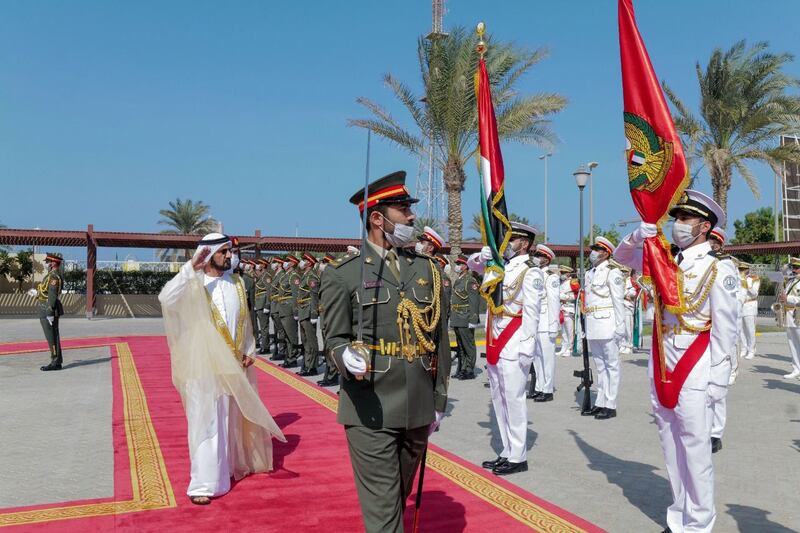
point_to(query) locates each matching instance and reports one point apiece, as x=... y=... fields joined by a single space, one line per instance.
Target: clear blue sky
x=108 y=110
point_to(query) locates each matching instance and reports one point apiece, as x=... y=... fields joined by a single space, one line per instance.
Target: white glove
x=486 y=254
x=473 y=326
x=32 y=293
x=644 y=231
x=435 y=424
x=295 y=317
x=314 y=321
x=619 y=337
x=266 y=310
x=51 y=319
x=353 y=362
x=553 y=335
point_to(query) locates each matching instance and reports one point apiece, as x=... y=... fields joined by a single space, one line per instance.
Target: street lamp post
x=545 y=158
x=581 y=177
x=592 y=166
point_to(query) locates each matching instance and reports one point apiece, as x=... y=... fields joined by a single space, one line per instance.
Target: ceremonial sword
x=359 y=346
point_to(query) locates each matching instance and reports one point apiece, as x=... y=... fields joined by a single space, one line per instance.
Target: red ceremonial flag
x=657 y=176
x=657 y=169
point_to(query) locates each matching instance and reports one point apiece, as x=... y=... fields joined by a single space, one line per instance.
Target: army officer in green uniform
x=464 y=307
x=390 y=400
x=48 y=294
x=308 y=313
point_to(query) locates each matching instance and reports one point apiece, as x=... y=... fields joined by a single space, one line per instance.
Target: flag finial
x=481 y=30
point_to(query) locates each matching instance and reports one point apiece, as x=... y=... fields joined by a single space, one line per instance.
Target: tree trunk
x=454 y=178
x=721 y=181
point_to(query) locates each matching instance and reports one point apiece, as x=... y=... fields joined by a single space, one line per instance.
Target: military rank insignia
x=422 y=282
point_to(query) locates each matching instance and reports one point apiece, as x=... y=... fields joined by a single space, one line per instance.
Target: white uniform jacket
x=709 y=287
x=750 y=287
x=605 y=307
x=523 y=291
x=792 y=303
x=550 y=306
x=567 y=298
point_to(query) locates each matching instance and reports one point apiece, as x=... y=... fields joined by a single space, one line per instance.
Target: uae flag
x=495 y=227
x=657 y=176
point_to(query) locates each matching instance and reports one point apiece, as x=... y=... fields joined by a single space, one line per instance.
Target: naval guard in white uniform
x=700 y=340
x=514 y=334
x=544 y=359
x=791 y=302
x=605 y=324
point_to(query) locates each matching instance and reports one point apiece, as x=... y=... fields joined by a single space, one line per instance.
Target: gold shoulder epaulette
x=346 y=258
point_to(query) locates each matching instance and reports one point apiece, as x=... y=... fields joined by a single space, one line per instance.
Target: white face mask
x=286 y=265
x=322 y=266
x=420 y=248
x=594 y=257
x=234 y=261
x=448 y=269
x=460 y=268
x=682 y=234
x=400 y=236
x=510 y=252
x=537 y=261
x=274 y=266
x=302 y=264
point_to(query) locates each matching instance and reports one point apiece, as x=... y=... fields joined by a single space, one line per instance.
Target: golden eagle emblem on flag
x=649 y=157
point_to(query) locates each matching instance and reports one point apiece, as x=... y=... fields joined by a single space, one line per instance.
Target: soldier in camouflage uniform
x=394 y=384
x=48 y=294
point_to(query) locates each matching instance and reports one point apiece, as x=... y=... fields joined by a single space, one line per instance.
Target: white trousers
x=211 y=468
x=628 y=342
x=544 y=362
x=719 y=412
x=508 y=381
x=605 y=354
x=686 y=441
x=747 y=335
x=567 y=334
x=794 y=347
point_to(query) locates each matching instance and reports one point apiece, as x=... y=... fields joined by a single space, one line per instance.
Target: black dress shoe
x=510 y=468
x=458 y=375
x=467 y=375
x=50 y=367
x=716 y=444
x=535 y=395
x=289 y=364
x=496 y=462
x=544 y=397
x=668 y=530
x=591 y=412
x=486 y=385
x=322 y=382
x=605 y=413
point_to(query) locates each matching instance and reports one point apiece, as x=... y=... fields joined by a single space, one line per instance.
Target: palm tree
x=421 y=222
x=513 y=217
x=744 y=109
x=446 y=117
x=186 y=218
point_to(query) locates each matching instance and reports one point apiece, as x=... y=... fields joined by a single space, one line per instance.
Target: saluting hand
x=199 y=258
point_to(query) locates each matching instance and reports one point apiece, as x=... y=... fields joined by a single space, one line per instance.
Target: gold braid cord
x=424 y=320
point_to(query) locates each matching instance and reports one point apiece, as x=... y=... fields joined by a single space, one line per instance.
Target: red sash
x=668 y=392
x=495 y=346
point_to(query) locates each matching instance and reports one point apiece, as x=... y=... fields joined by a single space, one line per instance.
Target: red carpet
x=311 y=488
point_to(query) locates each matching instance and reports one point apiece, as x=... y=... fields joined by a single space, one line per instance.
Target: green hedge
x=115 y=282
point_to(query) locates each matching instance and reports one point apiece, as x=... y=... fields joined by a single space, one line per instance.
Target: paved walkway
x=609 y=472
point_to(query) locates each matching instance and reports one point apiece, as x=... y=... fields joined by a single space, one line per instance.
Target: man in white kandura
x=212 y=349
x=509 y=351
x=604 y=288
x=544 y=359
x=700 y=339
x=791 y=301
x=568 y=296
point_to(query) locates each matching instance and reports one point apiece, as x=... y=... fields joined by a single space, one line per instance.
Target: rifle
x=586 y=373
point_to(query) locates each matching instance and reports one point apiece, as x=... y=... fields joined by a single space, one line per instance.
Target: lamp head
x=581 y=177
